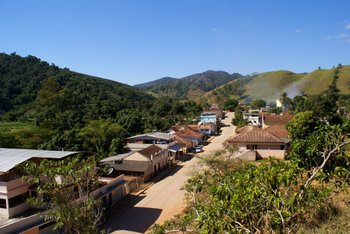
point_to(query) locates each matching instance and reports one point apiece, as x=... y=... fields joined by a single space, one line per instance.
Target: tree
x=230 y=104
x=323 y=146
x=302 y=125
x=238 y=120
x=103 y=137
x=257 y=104
x=64 y=192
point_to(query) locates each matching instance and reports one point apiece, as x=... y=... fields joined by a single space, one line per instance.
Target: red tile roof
x=151 y=150
x=277 y=119
x=186 y=131
x=255 y=137
x=248 y=128
x=278 y=130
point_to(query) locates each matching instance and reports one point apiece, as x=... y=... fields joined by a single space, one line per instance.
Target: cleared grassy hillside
x=270 y=85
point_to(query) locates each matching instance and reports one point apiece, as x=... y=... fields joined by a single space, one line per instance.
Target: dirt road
x=165 y=198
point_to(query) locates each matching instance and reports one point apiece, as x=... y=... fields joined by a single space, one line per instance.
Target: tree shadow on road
x=126 y=217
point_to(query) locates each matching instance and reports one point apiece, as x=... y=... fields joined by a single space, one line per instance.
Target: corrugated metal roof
x=136 y=166
x=175 y=148
x=9 y=158
x=117 y=157
x=153 y=135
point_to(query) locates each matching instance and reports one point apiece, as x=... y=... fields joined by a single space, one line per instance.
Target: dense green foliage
x=64 y=192
x=27 y=80
x=230 y=104
x=61 y=108
x=238 y=119
x=231 y=197
x=258 y=104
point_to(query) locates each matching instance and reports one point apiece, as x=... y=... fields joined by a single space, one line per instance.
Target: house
x=252 y=117
x=185 y=143
x=17 y=216
x=162 y=140
x=209 y=117
x=186 y=132
x=256 y=143
x=206 y=128
x=216 y=110
x=273 y=119
x=144 y=163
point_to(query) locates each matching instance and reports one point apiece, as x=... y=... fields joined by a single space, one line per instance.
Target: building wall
x=8 y=190
x=279 y=154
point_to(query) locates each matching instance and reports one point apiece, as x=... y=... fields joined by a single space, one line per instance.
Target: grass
x=14 y=126
x=270 y=85
x=334 y=220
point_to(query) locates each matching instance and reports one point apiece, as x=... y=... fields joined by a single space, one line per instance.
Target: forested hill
x=189 y=87
x=30 y=85
x=161 y=81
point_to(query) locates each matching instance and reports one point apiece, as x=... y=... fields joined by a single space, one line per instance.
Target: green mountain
x=270 y=85
x=32 y=88
x=161 y=81
x=189 y=87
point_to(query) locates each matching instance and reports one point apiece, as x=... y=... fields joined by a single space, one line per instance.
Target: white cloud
x=214 y=29
x=347 y=26
x=328 y=38
x=342 y=36
x=299 y=30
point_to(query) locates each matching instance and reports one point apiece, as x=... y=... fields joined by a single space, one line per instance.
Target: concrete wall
x=20 y=224
x=279 y=154
x=248 y=155
x=11 y=189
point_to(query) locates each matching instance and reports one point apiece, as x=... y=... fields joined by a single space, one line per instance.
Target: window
x=3 y=203
x=18 y=200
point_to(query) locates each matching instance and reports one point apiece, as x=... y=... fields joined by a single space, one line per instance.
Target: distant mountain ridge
x=218 y=86
x=189 y=87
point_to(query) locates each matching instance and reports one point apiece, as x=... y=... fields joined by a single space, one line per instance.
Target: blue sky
x=137 y=41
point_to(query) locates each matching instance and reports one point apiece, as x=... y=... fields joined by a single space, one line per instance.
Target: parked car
x=198 y=149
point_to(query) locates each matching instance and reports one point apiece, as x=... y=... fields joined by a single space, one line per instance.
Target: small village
x=152 y=157
x=174 y=117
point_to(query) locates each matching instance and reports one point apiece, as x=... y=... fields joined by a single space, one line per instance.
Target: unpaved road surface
x=165 y=198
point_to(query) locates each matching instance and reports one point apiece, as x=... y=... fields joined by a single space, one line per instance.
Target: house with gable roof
x=144 y=163
x=255 y=143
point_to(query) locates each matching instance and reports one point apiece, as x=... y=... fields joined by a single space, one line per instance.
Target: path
x=165 y=198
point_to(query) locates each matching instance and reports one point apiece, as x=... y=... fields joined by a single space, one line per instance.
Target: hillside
x=161 y=81
x=270 y=85
x=22 y=79
x=189 y=87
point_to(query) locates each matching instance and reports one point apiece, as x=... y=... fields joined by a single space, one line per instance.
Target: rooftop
x=117 y=157
x=277 y=119
x=256 y=136
x=151 y=150
x=10 y=158
x=153 y=135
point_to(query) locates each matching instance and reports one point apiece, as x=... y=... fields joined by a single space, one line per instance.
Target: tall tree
x=103 y=137
x=64 y=192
